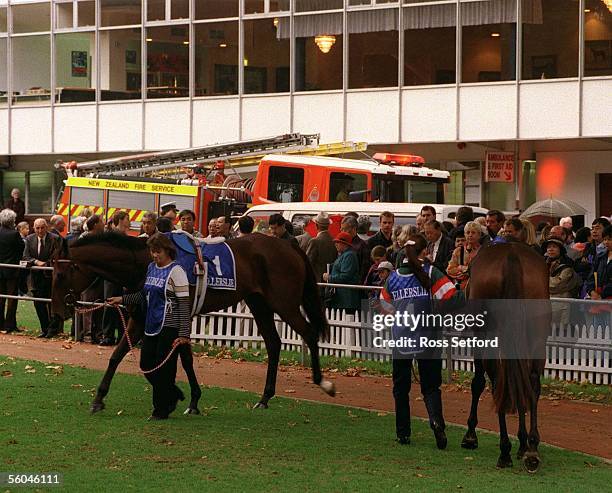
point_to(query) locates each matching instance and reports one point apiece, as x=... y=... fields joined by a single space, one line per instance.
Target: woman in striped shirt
x=166 y=296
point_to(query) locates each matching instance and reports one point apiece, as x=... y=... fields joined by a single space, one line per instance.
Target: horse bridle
x=70 y=299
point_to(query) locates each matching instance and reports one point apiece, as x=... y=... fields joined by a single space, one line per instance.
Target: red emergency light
x=399 y=159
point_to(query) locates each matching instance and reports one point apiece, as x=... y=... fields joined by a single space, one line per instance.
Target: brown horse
x=271 y=277
x=512 y=271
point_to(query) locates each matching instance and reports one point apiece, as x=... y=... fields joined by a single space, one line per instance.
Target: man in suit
x=321 y=249
x=11 y=248
x=40 y=248
x=439 y=246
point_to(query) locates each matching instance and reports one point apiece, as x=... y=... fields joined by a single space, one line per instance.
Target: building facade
x=446 y=79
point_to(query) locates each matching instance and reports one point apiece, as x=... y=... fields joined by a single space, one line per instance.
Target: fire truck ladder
x=156 y=161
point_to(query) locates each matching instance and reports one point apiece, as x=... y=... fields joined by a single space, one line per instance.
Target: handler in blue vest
x=413 y=288
x=168 y=317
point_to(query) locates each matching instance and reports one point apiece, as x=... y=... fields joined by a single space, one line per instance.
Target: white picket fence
x=578 y=353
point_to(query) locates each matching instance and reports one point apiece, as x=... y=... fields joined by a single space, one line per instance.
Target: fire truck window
x=87 y=196
x=180 y=201
x=342 y=184
x=285 y=184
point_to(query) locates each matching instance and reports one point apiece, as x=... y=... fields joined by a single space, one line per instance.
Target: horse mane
x=111 y=238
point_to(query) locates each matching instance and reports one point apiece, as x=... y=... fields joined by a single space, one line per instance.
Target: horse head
x=69 y=280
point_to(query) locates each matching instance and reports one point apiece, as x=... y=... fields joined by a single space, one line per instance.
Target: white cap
x=385 y=265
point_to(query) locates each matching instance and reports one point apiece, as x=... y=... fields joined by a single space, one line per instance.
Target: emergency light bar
x=399 y=159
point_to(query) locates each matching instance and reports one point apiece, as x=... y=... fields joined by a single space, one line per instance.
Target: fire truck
x=225 y=179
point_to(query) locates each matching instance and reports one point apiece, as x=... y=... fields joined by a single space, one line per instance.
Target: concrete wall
x=573 y=176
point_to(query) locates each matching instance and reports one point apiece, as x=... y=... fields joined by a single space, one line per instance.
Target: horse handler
x=168 y=322
x=413 y=288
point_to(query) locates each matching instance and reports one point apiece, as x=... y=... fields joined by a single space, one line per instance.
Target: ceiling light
x=495 y=35
x=185 y=42
x=149 y=39
x=223 y=45
x=325 y=42
x=586 y=11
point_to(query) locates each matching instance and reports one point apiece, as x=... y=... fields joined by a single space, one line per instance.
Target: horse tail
x=513 y=389
x=311 y=298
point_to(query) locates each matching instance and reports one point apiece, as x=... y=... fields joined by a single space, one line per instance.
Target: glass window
x=318 y=51
x=156 y=10
x=342 y=184
x=120 y=12
x=120 y=62
x=550 y=39
x=3 y=19
x=31 y=69
x=168 y=62
x=87 y=13
x=373 y=48
x=3 y=71
x=279 y=6
x=216 y=58
x=31 y=17
x=597 y=39
x=266 y=58
x=74 y=67
x=285 y=184
x=64 y=15
x=313 y=5
x=429 y=44
x=253 y=6
x=179 y=9
x=216 y=9
x=488 y=41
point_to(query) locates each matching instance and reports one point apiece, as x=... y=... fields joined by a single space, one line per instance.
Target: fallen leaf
x=120 y=412
x=76 y=386
x=594 y=411
x=381 y=414
x=66 y=346
x=290 y=391
x=7 y=373
x=31 y=370
x=28 y=367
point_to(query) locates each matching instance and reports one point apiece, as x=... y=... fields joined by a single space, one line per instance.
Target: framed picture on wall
x=79 y=64
x=598 y=54
x=544 y=67
x=131 y=57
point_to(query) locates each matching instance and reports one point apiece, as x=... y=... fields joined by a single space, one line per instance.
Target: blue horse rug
x=221 y=265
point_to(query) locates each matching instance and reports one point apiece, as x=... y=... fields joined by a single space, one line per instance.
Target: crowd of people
x=579 y=261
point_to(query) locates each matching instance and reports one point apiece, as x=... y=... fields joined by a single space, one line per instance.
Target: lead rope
x=175 y=343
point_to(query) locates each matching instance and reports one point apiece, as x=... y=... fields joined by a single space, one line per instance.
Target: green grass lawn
x=45 y=427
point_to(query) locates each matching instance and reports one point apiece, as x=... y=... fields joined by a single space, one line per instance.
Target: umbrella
x=554 y=208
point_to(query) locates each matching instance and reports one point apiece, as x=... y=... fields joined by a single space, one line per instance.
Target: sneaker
x=107 y=342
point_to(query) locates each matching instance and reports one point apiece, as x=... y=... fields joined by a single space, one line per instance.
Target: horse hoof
x=469 y=442
x=531 y=461
x=328 y=387
x=504 y=462
x=192 y=410
x=260 y=405
x=96 y=407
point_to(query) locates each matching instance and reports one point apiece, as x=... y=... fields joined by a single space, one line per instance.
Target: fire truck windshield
x=408 y=189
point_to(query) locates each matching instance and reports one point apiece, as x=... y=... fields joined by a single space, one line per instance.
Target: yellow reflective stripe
x=132 y=186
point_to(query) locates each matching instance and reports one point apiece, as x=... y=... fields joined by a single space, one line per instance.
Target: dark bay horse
x=271 y=277
x=512 y=271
